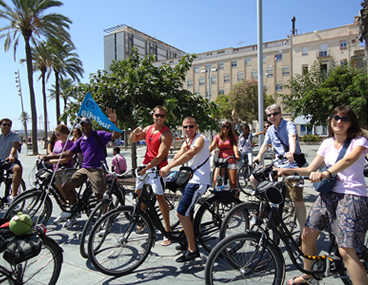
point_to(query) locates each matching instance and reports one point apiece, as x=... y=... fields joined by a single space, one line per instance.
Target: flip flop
x=307 y=280
x=166 y=242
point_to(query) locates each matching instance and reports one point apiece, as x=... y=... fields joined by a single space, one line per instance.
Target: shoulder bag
x=325 y=186
x=185 y=174
x=298 y=157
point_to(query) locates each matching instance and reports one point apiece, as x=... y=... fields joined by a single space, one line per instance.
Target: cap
x=21 y=224
x=86 y=120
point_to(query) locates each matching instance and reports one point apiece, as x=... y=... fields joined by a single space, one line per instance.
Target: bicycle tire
x=89 y=200
x=120 y=249
x=243 y=175
x=208 y=220
x=172 y=199
x=97 y=212
x=30 y=202
x=240 y=266
x=44 y=268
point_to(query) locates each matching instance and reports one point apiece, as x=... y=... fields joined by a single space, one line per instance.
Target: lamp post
x=208 y=70
x=18 y=84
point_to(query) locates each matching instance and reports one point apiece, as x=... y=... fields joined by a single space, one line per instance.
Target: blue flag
x=91 y=110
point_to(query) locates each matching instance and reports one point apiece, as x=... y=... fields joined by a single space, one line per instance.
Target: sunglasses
x=273 y=114
x=266 y=126
x=227 y=127
x=344 y=119
x=6 y=125
x=190 y=127
x=160 y=116
x=58 y=134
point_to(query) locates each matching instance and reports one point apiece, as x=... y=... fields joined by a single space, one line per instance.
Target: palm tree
x=42 y=62
x=65 y=62
x=67 y=92
x=29 y=19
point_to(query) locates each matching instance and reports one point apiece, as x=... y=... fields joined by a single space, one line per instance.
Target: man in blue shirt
x=283 y=134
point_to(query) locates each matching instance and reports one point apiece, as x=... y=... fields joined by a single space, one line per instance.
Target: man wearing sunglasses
x=282 y=135
x=195 y=153
x=158 y=139
x=9 y=143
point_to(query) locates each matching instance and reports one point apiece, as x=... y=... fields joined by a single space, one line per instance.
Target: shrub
x=310 y=138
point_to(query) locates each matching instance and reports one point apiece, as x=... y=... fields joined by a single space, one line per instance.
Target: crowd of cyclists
x=87 y=148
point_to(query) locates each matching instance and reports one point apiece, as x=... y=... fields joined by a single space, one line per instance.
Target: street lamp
x=18 y=84
x=208 y=70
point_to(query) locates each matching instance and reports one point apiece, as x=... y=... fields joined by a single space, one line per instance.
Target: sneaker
x=64 y=216
x=70 y=222
x=187 y=256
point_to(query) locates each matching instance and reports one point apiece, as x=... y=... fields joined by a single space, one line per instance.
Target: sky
x=193 y=26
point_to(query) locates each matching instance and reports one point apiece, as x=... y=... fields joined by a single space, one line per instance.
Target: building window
x=264 y=59
x=285 y=70
x=213 y=80
x=343 y=44
x=278 y=56
x=269 y=72
x=201 y=81
x=248 y=61
x=323 y=50
x=221 y=92
x=226 y=78
x=234 y=63
x=197 y=93
x=190 y=83
x=196 y=69
x=305 y=69
x=208 y=66
x=240 y=76
x=278 y=86
x=254 y=74
x=305 y=51
x=324 y=68
x=343 y=62
x=220 y=65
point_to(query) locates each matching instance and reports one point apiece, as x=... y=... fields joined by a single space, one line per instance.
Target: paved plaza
x=160 y=266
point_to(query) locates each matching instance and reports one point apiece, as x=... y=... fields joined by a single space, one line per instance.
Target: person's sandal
x=306 y=280
x=140 y=228
x=166 y=242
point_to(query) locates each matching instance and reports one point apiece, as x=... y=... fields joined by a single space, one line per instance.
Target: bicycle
x=253 y=257
x=111 y=199
x=38 y=204
x=117 y=246
x=41 y=265
x=244 y=173
x=6 y=182
x=241 y=217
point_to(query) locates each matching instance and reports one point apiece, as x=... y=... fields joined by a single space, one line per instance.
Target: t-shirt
x=6 y=144
x=93 y=152
x=120 y=163
x=58 y=148
x=225 y=148
x=350 y=180
x=245 y=143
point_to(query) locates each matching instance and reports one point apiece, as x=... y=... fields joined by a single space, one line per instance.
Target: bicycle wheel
x=42 y=269
x=116 y=246
x=36 y=203
x=243 y=175
x=101 y=208
x=225 y=265
x=208 y=220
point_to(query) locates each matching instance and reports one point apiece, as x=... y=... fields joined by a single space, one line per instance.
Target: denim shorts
x=345 y=215
x=191 y=194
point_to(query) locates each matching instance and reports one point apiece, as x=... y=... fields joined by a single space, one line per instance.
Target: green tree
x=41 y=57
x=65 y=62
x=67 y=93
x=315 y=94
x=363 y=23
x=135 y=86
x=243 y=98
x=29 y=19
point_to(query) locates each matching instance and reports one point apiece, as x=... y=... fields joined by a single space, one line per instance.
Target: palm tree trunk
x=44 y=109
x=57 y=97
x=66 y=118
x=32 y=95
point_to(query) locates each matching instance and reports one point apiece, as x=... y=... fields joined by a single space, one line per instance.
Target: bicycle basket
x=271 y=191
x=262 y=173
x=23 y=248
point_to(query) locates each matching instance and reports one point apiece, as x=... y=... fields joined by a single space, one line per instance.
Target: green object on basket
x=21 y=224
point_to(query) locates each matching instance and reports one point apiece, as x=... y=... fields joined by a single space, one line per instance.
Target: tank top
x=202 y=174
x=153 y=142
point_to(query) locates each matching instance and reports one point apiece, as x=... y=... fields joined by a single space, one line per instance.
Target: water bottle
x=226 y=187
x=172 y=177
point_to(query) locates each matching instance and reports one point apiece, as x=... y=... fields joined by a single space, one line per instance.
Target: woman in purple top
x=344 y=210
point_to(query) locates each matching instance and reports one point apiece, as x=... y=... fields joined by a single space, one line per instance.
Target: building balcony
x=323 y=54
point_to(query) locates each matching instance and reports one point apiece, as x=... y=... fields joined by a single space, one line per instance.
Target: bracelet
x=329 y=173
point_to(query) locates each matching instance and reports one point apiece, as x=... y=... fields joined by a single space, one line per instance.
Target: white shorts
x=156 y=181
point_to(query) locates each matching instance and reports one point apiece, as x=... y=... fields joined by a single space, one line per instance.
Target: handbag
x=185 y=174
x=325 y=186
